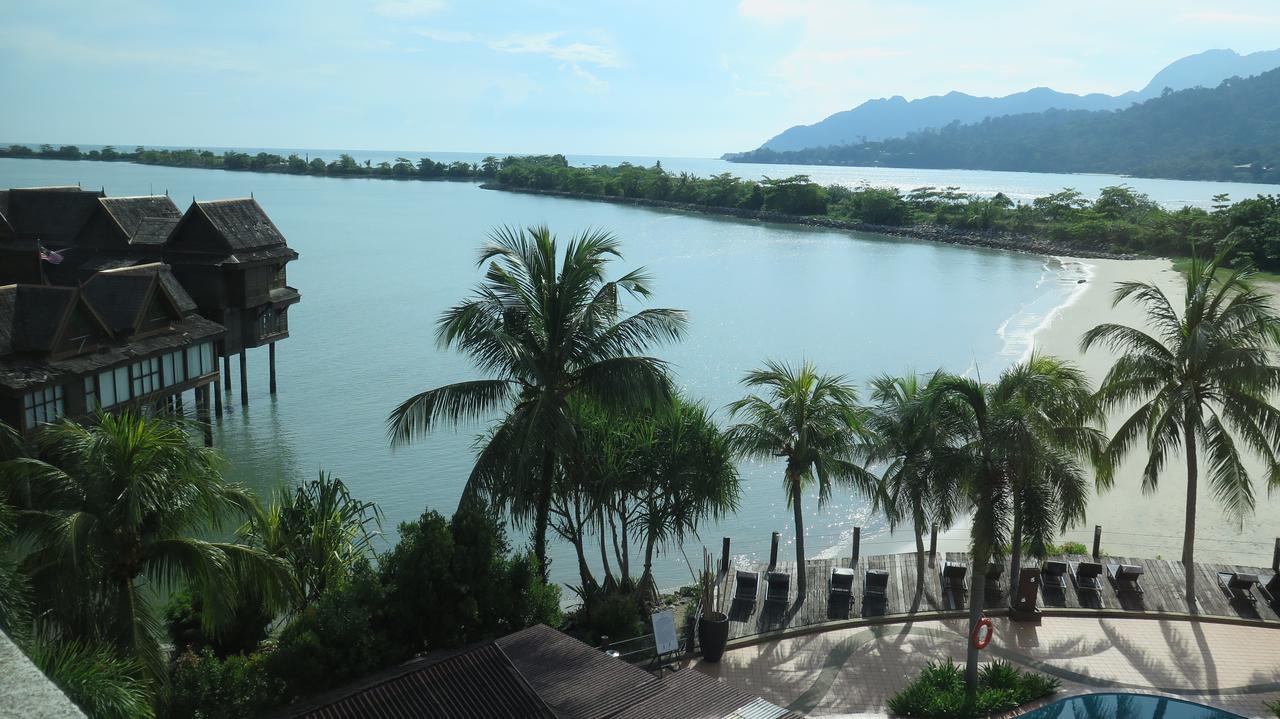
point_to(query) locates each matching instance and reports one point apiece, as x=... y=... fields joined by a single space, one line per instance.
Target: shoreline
x=1008 y=241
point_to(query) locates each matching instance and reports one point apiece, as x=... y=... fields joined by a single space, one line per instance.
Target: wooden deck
x=1163 y=584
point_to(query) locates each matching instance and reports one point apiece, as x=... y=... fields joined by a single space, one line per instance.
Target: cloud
x=1226 y=18
x=573 y=55
x=409 y=8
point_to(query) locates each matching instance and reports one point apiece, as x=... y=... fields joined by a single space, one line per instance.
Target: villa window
x=278 y=278
x=146 y=376
x=90 y=393
x=43 y=405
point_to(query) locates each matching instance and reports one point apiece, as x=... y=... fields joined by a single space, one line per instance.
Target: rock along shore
x=931 y=233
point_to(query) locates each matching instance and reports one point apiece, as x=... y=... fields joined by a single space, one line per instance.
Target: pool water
x=1127 y=706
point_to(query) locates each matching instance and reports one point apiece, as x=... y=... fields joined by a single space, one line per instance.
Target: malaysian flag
x=50 y=256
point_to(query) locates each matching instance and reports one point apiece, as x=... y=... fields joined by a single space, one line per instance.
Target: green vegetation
x=1119 y=221
x=814 y=423
x=345 y=166
x=939 y=692
x=1224 y=133
x=99 y=521
x=552 y=329
x=1202 y=381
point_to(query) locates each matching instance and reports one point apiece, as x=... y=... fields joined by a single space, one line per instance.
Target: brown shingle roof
x=133 y=214
x=53 y=214
x=30 y=316
x=177 y=294
x=243 y=224
x=119 y=298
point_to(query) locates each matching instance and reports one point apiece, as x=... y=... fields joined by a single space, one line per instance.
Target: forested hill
x=1230 y=132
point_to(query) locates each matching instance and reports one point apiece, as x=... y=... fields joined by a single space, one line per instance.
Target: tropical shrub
x=204 y=686
x=939 y=691
x=188 y=628
x=93 y=676
x=617 y=616
x=450 y=583
x=335 y=640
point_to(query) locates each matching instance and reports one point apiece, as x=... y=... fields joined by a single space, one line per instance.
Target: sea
x=380 y=260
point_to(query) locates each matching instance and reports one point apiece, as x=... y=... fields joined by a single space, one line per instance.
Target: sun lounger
x=1126 y=577
x=841 y=582
x=748 y=587
x=1271 y=590
x=1054 y=574
x=953 y=574
x=1238 y=586
x=1086 y=576
x=779 y=588
x=876 y=585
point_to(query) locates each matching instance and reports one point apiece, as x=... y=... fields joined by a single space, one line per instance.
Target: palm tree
x=1202 y=379
x=906 y=439
x=113 y=513
x=549 y=329
x=1022 y=431
x=319 y=530
x=811 y=420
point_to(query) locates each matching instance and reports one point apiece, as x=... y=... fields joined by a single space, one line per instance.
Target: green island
x=1120 y=222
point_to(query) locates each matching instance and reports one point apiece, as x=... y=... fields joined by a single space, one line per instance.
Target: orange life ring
x=980 y=638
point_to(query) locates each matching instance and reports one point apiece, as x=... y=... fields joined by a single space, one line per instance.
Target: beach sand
x=1135 y=523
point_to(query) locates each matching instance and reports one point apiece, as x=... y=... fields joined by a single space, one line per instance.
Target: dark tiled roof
x=177 y=294
x=30 y=316
x=690 y=693
x=577 y=681
x=133 y=214
x=153 y=231
x=119 y=298
x=19 y=373
x=54 y=214
x=478 y=683
x=243 y=224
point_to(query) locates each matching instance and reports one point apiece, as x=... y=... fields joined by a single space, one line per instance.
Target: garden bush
x=938 y=693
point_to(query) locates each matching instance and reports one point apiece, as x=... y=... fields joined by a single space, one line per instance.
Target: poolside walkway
x=853 y=671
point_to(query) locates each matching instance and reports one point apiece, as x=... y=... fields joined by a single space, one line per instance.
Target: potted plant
x=713 y=625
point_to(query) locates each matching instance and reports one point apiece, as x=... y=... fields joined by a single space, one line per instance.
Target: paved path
x=852 y=672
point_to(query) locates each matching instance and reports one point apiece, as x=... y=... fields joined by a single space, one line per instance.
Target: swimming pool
x=1127 y=706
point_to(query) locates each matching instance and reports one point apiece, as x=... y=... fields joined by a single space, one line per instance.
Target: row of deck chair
x=954 y=573
x=778 y=585
x=1239 y=587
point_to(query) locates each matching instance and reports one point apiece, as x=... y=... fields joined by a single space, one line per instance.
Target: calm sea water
x=380 y=260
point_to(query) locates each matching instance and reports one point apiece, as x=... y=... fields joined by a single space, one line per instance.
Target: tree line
x=1120 y=220
x=402 y=168
x=1224 y=133
x=590 y=429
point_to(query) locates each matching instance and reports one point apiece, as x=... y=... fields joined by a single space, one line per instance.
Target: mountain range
x=896 y=116
x=1228 y=132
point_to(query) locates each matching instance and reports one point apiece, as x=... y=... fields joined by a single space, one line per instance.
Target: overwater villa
x=128 y=301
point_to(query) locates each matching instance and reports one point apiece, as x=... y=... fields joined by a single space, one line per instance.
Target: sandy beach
x=1141 y=524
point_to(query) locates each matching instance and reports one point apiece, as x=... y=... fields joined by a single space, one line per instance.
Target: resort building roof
x=536 y=672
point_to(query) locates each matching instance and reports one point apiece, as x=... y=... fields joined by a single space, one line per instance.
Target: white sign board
x=664 y=632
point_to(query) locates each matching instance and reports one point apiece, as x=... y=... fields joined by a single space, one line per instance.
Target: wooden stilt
x=857 y=547
x=272 y=354
x=217 y=399
x=226 y=373
x=773 y=551
x=244 y=379
x=202 y=414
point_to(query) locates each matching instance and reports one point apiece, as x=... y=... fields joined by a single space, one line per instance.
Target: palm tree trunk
x=976 y=598
x=544 y=511
x=647 y=583
x=1015 y=550
x=1189 y=528
x=609 y=581
x=919 y=560
x=579 y=546
x=799 y=515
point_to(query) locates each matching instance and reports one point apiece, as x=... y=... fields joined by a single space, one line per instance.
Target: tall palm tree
x=114 y=511
x=1003 y=435
x=1202 y=379
x=548 y=328
x=811 y=420
x=909 y=442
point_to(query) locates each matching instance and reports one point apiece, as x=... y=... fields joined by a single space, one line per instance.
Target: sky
x=694 y=78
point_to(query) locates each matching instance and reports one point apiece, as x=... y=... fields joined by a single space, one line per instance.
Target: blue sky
x=691 y=78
